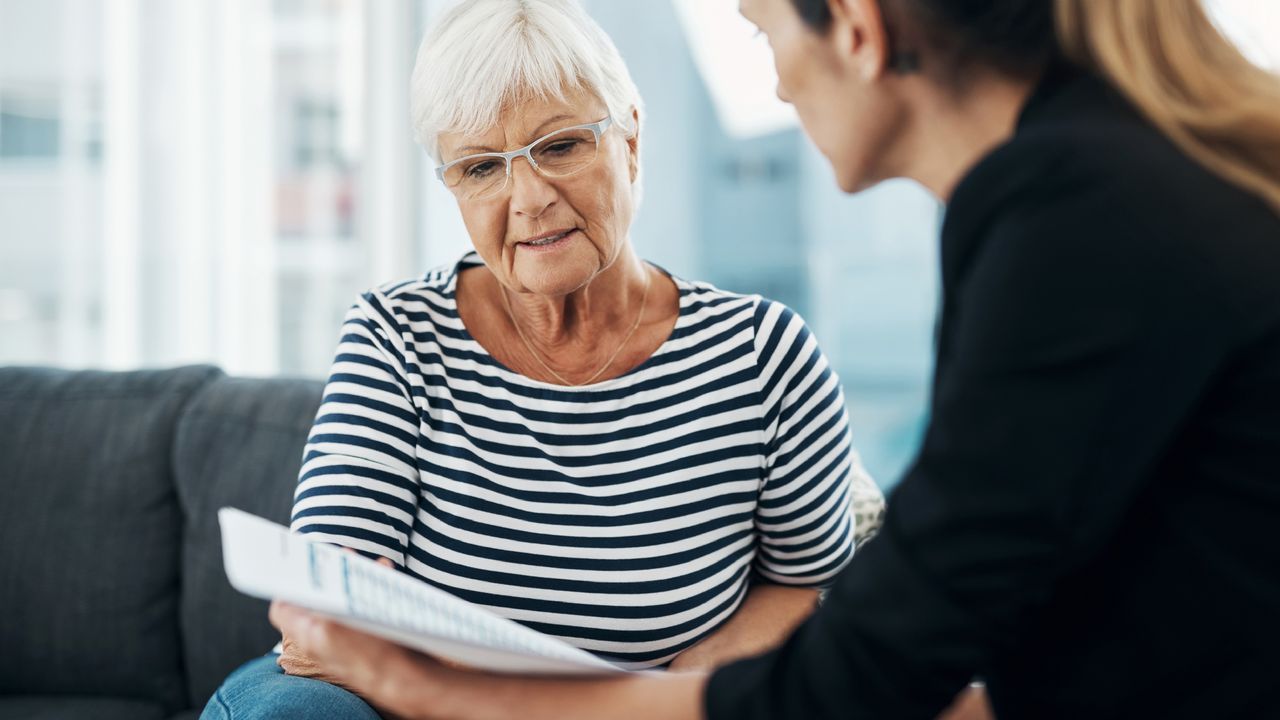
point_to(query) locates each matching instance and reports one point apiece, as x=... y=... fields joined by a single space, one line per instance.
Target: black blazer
x=1093 y=522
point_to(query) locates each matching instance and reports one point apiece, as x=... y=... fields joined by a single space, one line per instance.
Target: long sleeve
x=358 y=483
x=815 y=489
x=1070 y=358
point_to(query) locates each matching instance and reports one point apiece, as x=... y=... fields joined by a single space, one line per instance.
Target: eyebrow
x=537 y=132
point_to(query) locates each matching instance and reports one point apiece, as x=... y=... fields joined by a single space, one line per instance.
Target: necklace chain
x=644 y=297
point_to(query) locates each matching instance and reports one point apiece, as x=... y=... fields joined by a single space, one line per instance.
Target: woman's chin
x=555 y=275
x=853 y=178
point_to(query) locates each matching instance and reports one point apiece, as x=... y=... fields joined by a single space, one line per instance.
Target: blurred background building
x=216 y=180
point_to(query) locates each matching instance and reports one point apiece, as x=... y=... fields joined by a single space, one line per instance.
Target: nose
x=531 y=192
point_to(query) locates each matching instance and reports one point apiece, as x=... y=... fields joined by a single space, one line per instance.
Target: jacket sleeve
x=1072 y=353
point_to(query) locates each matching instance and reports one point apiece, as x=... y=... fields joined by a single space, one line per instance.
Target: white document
x=267 y=561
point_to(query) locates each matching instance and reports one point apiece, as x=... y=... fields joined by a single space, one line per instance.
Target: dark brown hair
x=1013 y=35
x=1166 y=56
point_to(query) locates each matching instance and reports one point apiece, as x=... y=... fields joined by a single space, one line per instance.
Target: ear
x=860 y=36
x=633 y=145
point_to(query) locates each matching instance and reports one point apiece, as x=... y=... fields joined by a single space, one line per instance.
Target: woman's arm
x=1047 y=424
x=358 y=484
x=357 y=487
x=405 y=684
x=767 y=616
x=817 y=503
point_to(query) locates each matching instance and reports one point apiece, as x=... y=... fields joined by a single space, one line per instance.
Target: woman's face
x=844 y=110
x=594 y=205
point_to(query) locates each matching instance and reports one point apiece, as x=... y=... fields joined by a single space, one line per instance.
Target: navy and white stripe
x=625 y=517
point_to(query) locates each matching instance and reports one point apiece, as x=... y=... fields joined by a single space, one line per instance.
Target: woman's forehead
x=525 y=119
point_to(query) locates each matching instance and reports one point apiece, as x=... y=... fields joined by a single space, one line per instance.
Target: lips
x=546 y=239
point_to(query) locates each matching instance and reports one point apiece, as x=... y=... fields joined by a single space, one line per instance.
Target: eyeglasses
x=563 y=152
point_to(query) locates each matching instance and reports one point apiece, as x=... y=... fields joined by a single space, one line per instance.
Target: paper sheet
x=267 y=561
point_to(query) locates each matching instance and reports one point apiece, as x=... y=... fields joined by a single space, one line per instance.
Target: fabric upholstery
x=239 y=444
x=76 y=708
x=89 y=534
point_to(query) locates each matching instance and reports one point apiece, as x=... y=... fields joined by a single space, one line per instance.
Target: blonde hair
x=1194 y=84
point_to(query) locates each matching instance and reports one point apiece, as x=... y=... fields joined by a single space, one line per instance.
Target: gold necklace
x=644 y=297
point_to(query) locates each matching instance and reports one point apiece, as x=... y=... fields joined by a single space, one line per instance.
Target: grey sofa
x=113 y=601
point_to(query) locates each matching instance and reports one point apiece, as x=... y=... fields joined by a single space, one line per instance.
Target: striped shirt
x=627 y=517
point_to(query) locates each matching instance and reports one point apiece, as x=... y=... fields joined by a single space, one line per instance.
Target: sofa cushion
x=25 y=707
x=239 y=444
x=90 y=531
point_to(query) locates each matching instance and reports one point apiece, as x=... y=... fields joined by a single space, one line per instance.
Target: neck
x=955 y=130
x=608 y=303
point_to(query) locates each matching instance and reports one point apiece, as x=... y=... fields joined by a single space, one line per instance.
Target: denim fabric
x=259 y=690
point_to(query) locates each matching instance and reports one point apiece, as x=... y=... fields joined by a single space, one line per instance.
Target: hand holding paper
x=265 y=560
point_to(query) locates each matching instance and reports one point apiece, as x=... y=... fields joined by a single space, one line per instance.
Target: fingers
x=283 y=615
x=298 y=625
x=308 y=641
x=315 y=636
x=294 y=662
x=298 y=665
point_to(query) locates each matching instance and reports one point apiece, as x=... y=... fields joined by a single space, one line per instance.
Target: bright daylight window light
x=121 y=296
x=1254 y=25
x=737 y=66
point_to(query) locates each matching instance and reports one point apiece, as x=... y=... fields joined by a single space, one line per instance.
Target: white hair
x=484 y=55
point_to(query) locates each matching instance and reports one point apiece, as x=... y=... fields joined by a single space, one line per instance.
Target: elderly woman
x=648 y=468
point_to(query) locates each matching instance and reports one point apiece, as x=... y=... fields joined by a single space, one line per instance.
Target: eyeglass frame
x=597 y=128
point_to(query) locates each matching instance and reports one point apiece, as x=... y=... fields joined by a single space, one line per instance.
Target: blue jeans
x=259 y=690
